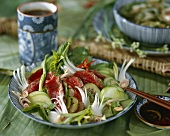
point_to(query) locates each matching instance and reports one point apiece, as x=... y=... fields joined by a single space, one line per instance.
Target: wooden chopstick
x=150 y=97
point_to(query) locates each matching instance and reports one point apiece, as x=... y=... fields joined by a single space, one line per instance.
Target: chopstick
x=150 y=97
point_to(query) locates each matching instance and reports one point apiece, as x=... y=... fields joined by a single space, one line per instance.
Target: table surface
x=12 y=122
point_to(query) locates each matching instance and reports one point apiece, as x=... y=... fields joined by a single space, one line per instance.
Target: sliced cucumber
x=126 y=103
x=107 y=111
x=92 y=89
x=36 y=93
x=106 y=71
x=99 y=66
x=104 y=74
x=72 y=104
x=39 y=97
x=113 y=92
x=110 y=81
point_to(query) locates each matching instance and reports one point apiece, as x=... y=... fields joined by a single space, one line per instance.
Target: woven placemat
x=156 y=64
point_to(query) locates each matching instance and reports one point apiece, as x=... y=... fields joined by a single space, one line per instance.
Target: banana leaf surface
x=13 y=123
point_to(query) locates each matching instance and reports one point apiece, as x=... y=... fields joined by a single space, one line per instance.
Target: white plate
x=13 y=86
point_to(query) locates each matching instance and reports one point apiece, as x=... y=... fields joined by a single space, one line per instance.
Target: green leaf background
x=13 y=123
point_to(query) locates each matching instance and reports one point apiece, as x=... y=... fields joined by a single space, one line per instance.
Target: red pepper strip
x=85 y=65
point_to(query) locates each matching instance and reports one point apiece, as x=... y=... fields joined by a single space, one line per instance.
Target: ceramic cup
x=37 y=31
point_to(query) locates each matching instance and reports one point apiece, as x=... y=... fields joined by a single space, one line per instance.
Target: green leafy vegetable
x=101 y=65
x=31 y=109
x=74 y=55
x=54 y=62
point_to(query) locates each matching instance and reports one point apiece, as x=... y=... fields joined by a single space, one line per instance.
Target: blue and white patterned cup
x=37 y=30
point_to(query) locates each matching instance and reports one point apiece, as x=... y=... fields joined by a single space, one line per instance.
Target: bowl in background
x=152 y=37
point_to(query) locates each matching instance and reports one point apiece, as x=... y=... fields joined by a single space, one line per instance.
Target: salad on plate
x=68 y=89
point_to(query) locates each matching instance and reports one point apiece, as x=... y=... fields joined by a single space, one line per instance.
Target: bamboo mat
x=156 y=64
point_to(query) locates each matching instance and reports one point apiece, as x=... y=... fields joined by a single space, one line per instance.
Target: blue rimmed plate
x=104 y=23
x=13 y=86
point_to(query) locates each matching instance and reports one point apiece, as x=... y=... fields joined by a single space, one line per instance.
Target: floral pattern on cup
x=37 y=31
x=37 y=23
x=33 y=46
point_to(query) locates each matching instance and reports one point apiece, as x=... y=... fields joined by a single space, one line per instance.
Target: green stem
x=43 y=76
x=76 y=117
x=75 y=114
x=84 y=27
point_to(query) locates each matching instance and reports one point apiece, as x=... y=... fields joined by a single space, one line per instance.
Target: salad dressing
x=155 y=114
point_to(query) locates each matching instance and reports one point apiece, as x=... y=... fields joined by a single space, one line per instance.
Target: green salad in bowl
x=145 y=21
x=151 y=13
x=69 y=91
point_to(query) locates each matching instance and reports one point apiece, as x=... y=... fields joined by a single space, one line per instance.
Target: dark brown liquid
x=37 y=12
x=155 y=114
